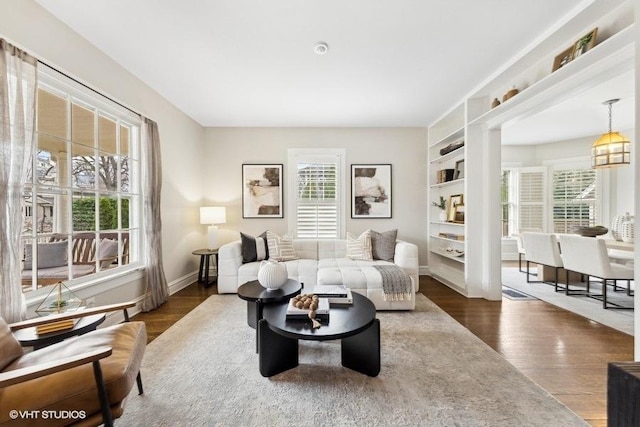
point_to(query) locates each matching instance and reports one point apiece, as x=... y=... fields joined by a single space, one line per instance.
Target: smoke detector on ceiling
x=321 y=48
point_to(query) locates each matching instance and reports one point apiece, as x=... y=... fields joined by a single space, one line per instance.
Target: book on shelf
x=346 y=300
x=322 y=312
x=330 y=291
x=58 y=326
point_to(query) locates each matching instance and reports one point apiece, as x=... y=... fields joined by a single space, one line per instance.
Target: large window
x=550 y=199
x=575 y=199
x=81 y=199
x=317 y=196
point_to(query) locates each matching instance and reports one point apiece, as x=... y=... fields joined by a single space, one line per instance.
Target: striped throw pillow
x=280 y=247
x=359 y=247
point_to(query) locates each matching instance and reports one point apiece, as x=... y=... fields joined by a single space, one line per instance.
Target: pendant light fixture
x=612 y=148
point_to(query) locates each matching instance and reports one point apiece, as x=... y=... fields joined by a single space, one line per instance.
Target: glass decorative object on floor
x=60 y=299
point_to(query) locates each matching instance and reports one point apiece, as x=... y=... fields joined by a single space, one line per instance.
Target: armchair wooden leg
x=102 y=395
x=139 y=382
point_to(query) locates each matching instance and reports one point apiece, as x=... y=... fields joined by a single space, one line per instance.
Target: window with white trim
x=575 y=199
x=316 y=193
x=532 y=206
x=81 y=201
x=508 y=206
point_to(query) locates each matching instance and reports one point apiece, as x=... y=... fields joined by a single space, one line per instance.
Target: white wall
x=27 y=25
x=405 y=148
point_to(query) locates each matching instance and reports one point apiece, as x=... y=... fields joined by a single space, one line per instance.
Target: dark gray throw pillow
x=254 y=248
x=383 y=245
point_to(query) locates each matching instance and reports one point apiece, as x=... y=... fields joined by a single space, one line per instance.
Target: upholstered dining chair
x=542 y=249
x=588 y=256
x=81 y=381
x=520 y=245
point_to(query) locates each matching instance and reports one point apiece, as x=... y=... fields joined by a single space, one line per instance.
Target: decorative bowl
x=594 y=231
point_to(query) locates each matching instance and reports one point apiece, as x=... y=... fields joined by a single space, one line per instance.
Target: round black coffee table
x=355 y=325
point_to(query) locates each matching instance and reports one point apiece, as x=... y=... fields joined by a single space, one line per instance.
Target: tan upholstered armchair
x=81 y=381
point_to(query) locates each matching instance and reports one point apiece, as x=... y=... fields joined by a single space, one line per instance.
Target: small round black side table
x=258 y=296
x=203 y=271
x=29 y=337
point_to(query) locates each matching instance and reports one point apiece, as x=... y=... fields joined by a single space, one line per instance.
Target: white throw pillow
x=359 y=247
x=280 y=248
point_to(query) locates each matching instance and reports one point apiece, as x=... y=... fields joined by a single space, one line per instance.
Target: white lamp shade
x=213 y=215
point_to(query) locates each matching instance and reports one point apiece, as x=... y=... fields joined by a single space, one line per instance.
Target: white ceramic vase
x=616 y=225
x=442 y=216
x=628 y=231
x=272 y=274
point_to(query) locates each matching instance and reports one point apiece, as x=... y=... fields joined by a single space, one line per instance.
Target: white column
x=636 y=163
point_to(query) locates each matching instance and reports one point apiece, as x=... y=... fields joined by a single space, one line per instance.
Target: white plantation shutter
x=532 y=199
x=316 y=193
x=575 y=199
x=317 y=210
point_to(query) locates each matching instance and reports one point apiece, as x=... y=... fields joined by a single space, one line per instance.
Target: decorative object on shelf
x=444 y=175
x=442 y=205
x=459 y=173
x=597 y=230
x=510 y=94
x=272 y=274
x=612 y=148
x=454 y=201
x=616 y=225
x=585 y=43
x=458 y=217
x=495 y=102
x=262 y=191
x=563 y=58
x=213 y=215
x=451 y=147
x=628 y=231
x=60 y=299
x=371 y=191
x=455 y=252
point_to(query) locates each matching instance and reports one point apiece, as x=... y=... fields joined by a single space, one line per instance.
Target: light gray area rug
x=203 y=371
x=622 y=320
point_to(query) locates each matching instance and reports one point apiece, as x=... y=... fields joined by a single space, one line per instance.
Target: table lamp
x=213 y=215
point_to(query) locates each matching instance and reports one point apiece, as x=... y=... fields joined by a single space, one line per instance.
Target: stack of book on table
x=336 y=294
x=295 y=313
x=58 y=326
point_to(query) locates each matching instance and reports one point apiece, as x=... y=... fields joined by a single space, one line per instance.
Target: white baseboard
x=424 y=270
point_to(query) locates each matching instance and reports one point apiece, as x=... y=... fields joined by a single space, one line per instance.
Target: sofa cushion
x=359 y=247
x=280 y=247
x=254 y=248
x=355 y=274
x=383 y=245
x=50 y=254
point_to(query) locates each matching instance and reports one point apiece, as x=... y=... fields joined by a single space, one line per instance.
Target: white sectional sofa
x=324 y=262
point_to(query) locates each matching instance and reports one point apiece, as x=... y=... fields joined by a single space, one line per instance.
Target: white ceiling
x=251 y=62
x=581 y=116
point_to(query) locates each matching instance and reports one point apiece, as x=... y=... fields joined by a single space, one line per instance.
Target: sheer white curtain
x=17 y=121
x=157 y=291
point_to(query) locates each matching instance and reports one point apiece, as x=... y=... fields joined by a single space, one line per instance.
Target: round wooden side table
x=203 y=271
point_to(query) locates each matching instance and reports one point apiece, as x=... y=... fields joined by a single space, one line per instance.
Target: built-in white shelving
x=476 y=273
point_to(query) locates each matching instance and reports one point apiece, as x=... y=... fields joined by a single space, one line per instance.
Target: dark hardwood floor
x=564 y=353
